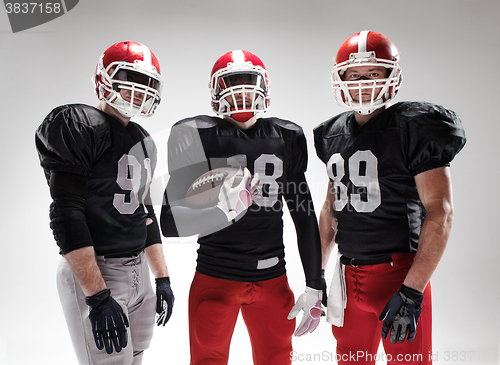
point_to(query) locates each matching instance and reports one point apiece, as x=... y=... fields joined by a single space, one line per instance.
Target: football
x=204 y=191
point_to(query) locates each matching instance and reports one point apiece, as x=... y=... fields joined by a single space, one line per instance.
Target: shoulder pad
x=432 y=135
x=70 y=137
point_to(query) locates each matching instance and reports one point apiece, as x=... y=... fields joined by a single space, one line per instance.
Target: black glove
x=164 y=300
x=401 y=314
x=324 y=301
x=108 y=321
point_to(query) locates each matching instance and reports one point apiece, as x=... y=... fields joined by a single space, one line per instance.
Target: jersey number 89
x=363 y=172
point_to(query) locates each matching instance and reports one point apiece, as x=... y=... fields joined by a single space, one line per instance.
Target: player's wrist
x=412 y=294
x=229 y=213
x=98 y=298
x=315 y=293
x=163 y=280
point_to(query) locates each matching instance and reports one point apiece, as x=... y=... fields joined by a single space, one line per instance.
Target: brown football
x=204 y=191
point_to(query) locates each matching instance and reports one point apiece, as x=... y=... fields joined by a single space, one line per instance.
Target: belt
x=355 y=262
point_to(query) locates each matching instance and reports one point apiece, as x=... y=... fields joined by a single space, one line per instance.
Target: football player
x=241 y=258
x=99 y=165
x=388 y=207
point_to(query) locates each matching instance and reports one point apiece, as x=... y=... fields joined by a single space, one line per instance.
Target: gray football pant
x=130 y=285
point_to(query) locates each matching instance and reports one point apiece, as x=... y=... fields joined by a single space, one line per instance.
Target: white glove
x=310 y=303
x=234 y=200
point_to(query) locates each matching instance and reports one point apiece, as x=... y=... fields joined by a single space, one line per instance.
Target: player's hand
x=108 y=322
x=401 y=314
x=235 y=200
x=164 y=300
x=310 y=303
x=324 y=301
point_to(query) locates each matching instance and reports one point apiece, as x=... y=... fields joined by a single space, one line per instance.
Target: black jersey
x=252 y=248
x=118 y=162
x=372 y=169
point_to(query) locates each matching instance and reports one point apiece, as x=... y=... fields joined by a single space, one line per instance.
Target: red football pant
x=369 y=288
x=214 y=305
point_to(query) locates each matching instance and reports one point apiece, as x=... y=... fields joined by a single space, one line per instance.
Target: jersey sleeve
x=322 y=133
x=319 y=142
x=67 y=141
x=301 y=208
x=298 y=153
x=433 y=138
x=186 y=160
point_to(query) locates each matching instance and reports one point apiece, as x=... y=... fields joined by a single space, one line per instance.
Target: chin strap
x=242 y=117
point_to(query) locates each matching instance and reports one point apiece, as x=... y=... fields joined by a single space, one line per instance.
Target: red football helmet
x=366 y=49
x=239 y=85
x=128 y=78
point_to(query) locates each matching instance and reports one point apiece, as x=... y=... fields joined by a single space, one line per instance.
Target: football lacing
x=208 y=179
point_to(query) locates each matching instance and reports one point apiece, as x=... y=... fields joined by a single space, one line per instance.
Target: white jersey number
x=363 y=172
x=129 y=179
x=267 y=196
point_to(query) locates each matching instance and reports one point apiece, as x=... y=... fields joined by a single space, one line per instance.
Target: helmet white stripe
x=146 y=54
x=363 y=38
x=238 y=57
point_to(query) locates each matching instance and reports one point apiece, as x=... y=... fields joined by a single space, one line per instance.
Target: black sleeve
x=433 y=138
x=182 y=221
x=300 y=205
x=67 y=141
x=298 y=153
x=153 y=229
x=186 y=162
x=167 y=222
x=67 y=211
x=319 y=142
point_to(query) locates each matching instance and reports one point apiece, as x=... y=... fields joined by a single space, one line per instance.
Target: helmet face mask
x=128 y=78
x=239 y=86
x=366 y=49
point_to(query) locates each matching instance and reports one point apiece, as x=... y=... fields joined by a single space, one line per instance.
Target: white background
x=450 y=55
